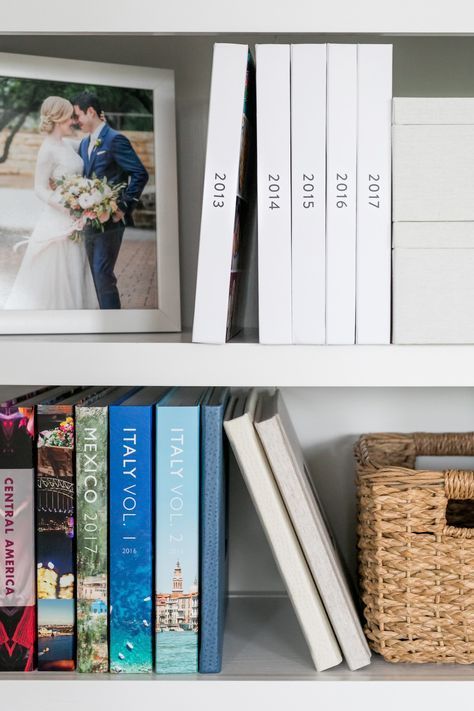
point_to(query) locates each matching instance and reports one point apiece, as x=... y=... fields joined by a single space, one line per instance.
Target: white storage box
x=433 y=159
x=433 y=282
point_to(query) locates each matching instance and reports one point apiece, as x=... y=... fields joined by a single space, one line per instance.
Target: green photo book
x=92 y=434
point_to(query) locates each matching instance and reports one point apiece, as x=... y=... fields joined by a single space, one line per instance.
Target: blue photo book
x=177 y=531
x=213 y=530
x=132 y=440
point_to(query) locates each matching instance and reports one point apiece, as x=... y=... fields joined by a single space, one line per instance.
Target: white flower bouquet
x=90 y=201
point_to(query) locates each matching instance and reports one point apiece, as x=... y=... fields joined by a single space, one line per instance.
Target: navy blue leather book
x=213 y=530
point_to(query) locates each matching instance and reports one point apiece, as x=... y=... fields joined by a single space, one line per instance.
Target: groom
x=108 y=153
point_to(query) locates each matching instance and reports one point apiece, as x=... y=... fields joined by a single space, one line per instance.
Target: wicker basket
x=417 y=571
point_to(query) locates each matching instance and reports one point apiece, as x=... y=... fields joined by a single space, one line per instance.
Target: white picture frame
x=167 y=316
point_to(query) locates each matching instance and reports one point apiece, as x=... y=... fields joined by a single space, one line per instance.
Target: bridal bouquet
x=90 y=201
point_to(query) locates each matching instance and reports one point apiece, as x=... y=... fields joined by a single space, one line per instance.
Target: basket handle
x=444 y=444
x=458 y=485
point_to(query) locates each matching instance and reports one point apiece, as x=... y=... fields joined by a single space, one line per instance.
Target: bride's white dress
x=54 y=272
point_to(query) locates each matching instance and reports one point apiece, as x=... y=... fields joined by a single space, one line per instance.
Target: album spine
x=221 y=192
x=274 y=193
x=214 y=559
x=55 y=513
x=341 y=193
x=131 y=567
x=308 y=192
x=17 y=557
x=92 y=547
x=374 y=205
x=177 y=539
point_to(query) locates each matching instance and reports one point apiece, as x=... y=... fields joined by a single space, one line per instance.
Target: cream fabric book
x=433 y=153
x=308 y=192
x=239 y=426
x=441 y=255
x=285 y=456
x=454 y=110
x=433 y=180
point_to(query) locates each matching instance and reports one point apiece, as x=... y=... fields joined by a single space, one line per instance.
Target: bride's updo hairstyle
x=54 y=110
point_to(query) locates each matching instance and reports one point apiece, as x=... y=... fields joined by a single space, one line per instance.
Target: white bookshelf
x=214 y=16
x=172 y=359
x=271 y=669
x=333 y=393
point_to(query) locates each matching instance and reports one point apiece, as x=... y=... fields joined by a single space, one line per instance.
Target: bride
x=55 y=272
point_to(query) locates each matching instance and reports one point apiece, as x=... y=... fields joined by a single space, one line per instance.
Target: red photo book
x=17 y=559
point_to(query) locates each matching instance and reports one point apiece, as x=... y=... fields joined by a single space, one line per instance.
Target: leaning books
x=227 y=194
x=285 y=456
x=239 y=426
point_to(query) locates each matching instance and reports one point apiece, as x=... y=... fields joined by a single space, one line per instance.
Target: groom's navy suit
x=115 y=159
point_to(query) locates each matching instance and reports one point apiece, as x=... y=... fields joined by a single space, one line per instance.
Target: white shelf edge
x=214 y=16
x=265 y=662
x=171 y=359
x=236 y=695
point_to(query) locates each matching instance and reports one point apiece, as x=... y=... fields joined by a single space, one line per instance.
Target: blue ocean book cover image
x=177 y=531
x=131 y=539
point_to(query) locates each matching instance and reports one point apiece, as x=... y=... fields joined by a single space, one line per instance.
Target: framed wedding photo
x=88 y=197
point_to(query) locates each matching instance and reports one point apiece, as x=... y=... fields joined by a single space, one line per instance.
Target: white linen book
x=433 y=155
x=239 y=426
x=374 y=201
x=440 y=257
x=274 y=193
x=308 y=192
x=284 y=454
x=341 y=192
x=221 y=193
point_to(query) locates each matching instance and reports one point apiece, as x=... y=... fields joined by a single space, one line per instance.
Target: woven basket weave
x=417 y=572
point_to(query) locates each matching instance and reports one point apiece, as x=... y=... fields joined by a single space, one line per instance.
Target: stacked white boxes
x=433 y=214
